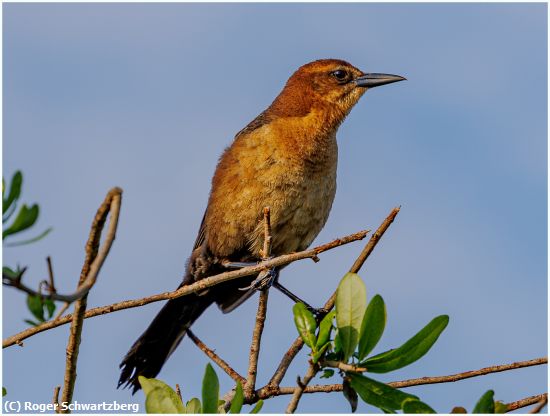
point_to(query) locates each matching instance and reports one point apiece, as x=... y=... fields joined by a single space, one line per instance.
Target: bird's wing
x=202 y=233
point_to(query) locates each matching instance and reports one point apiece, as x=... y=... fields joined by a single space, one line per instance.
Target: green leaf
x=31 y=323
x=50 y=306
x=318 y=354
x=327 y=373
x=193 y=406
x=36 y=306
x=337 y=345
x=161 y=400
x=410 y=351
x=149 y=384
x=351 y=303
x=30 y=240
x=160 y=397
x=325 y=327
x=238 y=399
x=305 y=323
x=9 y=273
x=350 y=394
x=25 y=219
x=210 y=390
x=378 y=394
x=4 y=391
x=486 y=403
x=15 y=191
x=416 y=406
x=258 y=407
x=372 y=326
x=501 y=407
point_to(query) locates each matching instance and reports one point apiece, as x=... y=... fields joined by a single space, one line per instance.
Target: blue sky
x=147 y=96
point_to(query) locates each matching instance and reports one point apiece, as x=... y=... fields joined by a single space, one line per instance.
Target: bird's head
x=330 y=87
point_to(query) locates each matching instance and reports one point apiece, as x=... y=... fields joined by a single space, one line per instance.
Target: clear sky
x=147 y=96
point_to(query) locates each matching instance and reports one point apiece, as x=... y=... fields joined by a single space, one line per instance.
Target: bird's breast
x=297 y=181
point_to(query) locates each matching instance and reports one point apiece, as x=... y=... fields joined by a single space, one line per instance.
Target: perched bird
x=284 y=159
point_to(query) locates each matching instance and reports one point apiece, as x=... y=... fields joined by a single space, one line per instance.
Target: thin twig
x=188 y=289
x=95 y=256
x=541 y=404
x=178 y=392
x=528 y=401
x=55 y=399
x=302 y=383
x=343 y=366
x=216 y=358
x=297 y=345
x=373 y=241
x=250 y=385
x=62 y=310
x=50 y=275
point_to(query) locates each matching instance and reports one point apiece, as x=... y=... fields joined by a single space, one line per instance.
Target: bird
x=285 y=159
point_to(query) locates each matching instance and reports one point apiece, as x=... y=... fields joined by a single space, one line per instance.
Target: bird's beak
x=376 y=80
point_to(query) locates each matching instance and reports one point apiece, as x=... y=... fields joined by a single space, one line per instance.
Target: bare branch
x=528 y=401
x=178 y=392
x=250 y=384
x=95 y=256
x=216 y=358
x=298 y=391
x=93 y=269
x=373 y=241
x=343 y=366
x=50 y=275
x=62 y=310
x=55 y=399
x=186 y=290
x=543 y=402
x=469 y=374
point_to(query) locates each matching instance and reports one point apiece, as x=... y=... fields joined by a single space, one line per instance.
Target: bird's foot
x=319 y=313
x=265 y=280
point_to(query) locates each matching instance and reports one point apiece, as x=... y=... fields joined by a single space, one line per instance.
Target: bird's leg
x=268 y=278
x=318 y=312
x=237 y=264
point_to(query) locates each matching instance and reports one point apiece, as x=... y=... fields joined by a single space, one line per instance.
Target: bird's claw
x=319 y=313
x=265 y=280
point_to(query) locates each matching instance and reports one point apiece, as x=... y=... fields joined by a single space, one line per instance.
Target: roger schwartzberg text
x=17 y=406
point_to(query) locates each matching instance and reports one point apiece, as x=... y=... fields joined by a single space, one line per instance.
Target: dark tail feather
x=154 y=346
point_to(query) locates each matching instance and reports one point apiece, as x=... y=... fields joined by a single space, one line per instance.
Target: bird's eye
x=340 y=75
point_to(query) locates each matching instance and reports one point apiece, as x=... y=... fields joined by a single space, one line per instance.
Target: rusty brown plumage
x=285 y=159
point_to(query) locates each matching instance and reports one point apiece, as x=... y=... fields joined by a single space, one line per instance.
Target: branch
x=343 y=366
x=543 y=402
x=528 y=401
x=216 y=358
x=95 y=256
x=93 y=269
x=267 y=392
x=298 y=391
x=250 y=385
x=186 y=290
x=298 y=343
x=55 y=399
x=469 y=374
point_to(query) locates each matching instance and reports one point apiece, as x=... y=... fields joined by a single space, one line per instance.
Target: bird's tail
x=154 y=346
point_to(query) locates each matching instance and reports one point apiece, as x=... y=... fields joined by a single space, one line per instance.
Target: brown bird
x=285 y=159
